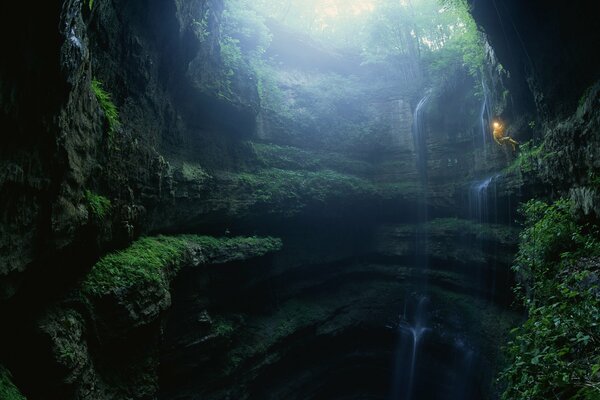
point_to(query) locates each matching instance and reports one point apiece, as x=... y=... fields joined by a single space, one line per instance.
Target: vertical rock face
x=47 y=108
x=546 y=47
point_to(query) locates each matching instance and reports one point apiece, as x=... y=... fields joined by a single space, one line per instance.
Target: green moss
x=294 y=158
x=150 y=260
x=98 y=205
x=144 y=261
x=290 y=191
x=193 y=172
x=91 y=4
x=555 y=353
x=110 y=109
x=8 y=390
x=223 y=328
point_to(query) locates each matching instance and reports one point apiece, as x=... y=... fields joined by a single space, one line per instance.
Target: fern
x=110 y=110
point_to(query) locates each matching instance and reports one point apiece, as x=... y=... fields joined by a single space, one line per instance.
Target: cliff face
x=545 y=46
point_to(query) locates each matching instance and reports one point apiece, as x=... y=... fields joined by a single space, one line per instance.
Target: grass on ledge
x=150 y=260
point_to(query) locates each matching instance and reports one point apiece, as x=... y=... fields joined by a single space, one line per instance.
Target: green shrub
x=98 y=206
x=555 y=353
x=110 y=109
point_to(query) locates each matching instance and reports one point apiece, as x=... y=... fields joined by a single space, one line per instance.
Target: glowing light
x=337 y=8
x=362 y=6
x=330 y=11
x=496 y=124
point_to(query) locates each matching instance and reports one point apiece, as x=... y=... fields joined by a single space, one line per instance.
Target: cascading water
x=412 y=324
x=485 y=118
x=419 y=136
x=411 y=328
x=482 y=208
x=481 y=193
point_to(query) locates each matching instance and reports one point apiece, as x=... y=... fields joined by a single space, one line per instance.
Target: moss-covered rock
x=154 y=260
x=461 y=241
x=8 y=390
x=105 y=337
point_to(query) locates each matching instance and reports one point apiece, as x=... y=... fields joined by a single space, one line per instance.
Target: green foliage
x=291 y=189
x=584 y=96
x=231 y=53
x=108 y=107
x=555 y=353
x=461 y=47
x=151 y=260
x=550 y=232
x=325 y=109
x=91 y=4
x=246 y=26
x=194 y=172
x=244 y=36
x=8 y=391
x=201 y=26
x=223 y=328
x=98 y=205
x=272 y=97
x=530 y=158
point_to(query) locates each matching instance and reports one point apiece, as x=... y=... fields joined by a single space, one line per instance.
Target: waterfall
x=420 y=139
x=482 y=200
x=479 y=198
x=485 y=118
x=411 y=329
x=482 y=209
x=412 y=324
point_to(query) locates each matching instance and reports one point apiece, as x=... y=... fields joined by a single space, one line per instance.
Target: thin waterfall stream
x=412 y=324
x=485 y=118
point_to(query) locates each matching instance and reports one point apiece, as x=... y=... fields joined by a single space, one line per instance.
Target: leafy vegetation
x=555 y=353
x=529 y=159
x=201 y=26
x=397 y=40
x=108 y=107
x=8 y=391
x=194 y=172
x=152 y=260
x=99 y=206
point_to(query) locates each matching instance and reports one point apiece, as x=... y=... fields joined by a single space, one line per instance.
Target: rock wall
x=546 y=47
